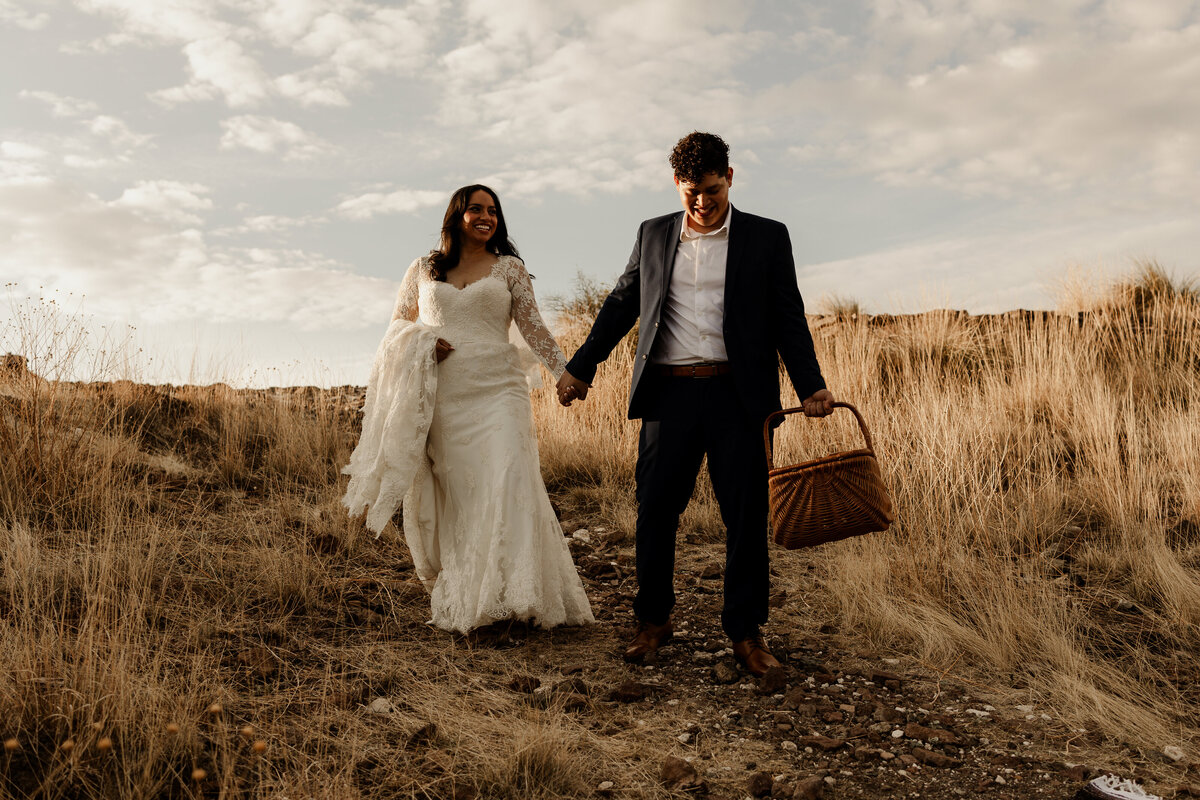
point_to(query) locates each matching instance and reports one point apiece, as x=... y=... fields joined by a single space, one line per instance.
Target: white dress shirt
x=694 y=311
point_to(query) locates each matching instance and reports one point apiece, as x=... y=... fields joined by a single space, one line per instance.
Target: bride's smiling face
x=480 y=218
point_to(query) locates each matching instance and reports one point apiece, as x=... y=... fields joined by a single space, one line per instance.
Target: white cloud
x=400 y=201
x=117 y=132
x=163 y=20
x=269 y=135
x=268 y=223
x=220 y=66
x=228 y=45
x=61 y=106
x=171 y=202
x=1020 y=98
x=11 y=13
x=131 y=261
x=21 y=151
x=990 y=271
x=76 y=161
x=591 y=92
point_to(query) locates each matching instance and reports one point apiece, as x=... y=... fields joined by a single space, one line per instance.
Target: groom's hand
x=819 y=404
x=571 y=388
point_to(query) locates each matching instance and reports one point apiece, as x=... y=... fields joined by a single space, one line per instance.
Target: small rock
x=630 y=692
x=1078 y=772
x=605 y=788
x=774 y=681
x=1173 y=753
x=883 y=676
x=915 y=731
x=724 y=672
x=684 y=738
x=381 y=705
x=760 y=784
x=678 y=774
x=886 y=755
x=823 y=742
x=710 y=571
x=810 y=788
x=789 y=747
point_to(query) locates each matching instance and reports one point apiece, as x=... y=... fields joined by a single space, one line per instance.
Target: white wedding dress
x=456 y=441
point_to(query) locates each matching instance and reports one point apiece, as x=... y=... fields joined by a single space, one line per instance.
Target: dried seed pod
x=247 y=732
x=259 y=747
x=215 y=709
x=67 y=746
x=104 y=744
x=199 y=774
x=12 y=745
x=172 y=728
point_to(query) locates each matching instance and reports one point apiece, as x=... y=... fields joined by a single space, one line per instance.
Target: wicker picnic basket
x=829 y=498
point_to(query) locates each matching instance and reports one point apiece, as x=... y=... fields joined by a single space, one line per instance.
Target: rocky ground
x=836 y=722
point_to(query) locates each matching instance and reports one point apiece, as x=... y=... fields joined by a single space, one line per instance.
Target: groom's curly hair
x=698 y=154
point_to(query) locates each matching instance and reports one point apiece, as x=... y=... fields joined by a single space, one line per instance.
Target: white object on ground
x=1110 y=787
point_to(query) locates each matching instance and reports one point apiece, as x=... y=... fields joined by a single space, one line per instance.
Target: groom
x=715 y=289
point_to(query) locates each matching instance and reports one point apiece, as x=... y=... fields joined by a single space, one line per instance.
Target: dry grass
x=165 y=550
x=1045 y=471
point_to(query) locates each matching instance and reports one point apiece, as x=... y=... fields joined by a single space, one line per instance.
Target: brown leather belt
x=710 y=370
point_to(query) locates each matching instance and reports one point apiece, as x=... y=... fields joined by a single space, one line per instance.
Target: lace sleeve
x=529 y=320
x=406 y=300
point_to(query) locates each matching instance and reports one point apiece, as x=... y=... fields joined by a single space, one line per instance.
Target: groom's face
x=707 y=201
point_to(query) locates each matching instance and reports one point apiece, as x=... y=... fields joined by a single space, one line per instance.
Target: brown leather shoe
x=752 y=653
x=649 y=638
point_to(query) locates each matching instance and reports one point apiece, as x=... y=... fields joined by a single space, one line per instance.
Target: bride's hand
x=442 y=349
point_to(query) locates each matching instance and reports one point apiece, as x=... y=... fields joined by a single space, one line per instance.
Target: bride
x=448 y=430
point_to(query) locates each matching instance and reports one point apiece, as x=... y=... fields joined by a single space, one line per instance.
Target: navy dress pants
x=697 y=417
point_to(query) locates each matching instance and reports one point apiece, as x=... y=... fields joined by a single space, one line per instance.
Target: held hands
x=571 y=388
x=819 y=404
x=442 y=349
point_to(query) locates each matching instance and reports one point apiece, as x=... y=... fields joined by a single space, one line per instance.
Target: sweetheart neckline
x=469 y=285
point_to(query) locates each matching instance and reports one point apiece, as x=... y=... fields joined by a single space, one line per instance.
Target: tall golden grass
x=166 y=549
x=1046 y=471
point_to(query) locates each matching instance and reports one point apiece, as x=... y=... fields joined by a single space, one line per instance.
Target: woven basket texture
x=829 y=498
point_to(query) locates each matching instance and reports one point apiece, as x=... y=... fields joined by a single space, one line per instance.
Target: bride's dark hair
x=449 y=250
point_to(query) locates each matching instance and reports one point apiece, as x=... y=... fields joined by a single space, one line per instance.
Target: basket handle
x=862 y=426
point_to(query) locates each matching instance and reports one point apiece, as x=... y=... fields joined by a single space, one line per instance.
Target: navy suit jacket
x=764 y=314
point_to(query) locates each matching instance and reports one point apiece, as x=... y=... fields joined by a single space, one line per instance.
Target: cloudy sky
x=245 y=181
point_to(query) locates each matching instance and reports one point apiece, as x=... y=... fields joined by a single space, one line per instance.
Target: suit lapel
x=670 y=248
x=735 y=256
